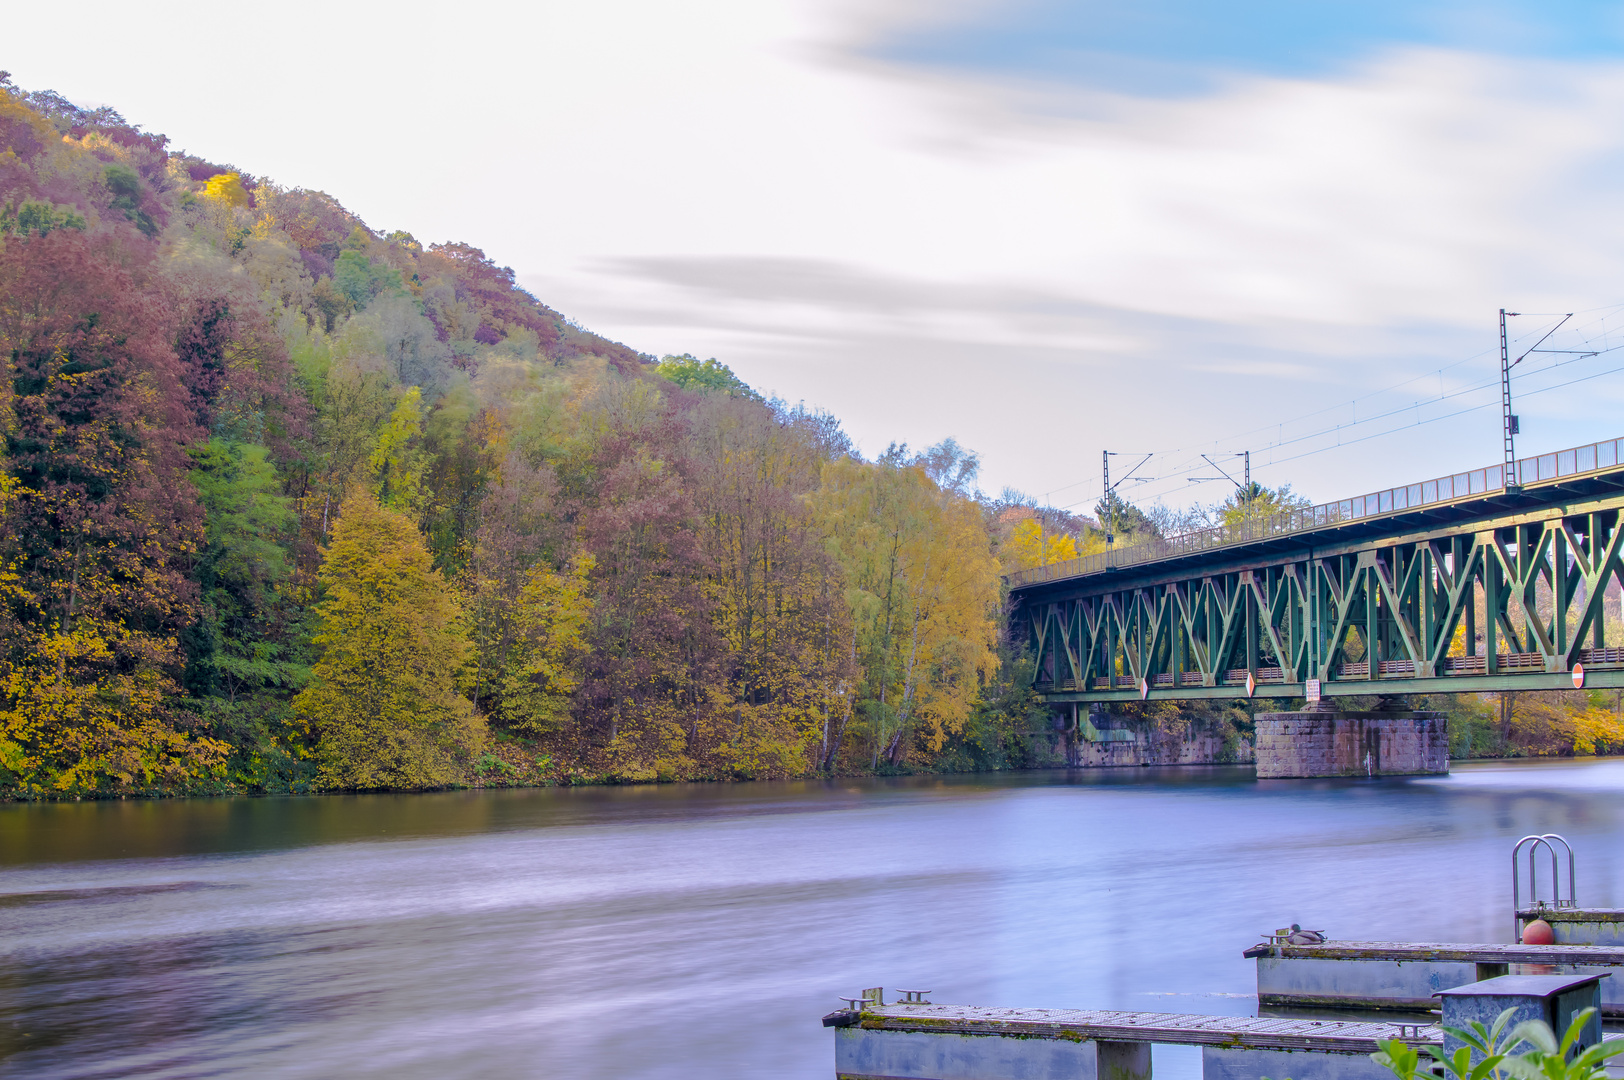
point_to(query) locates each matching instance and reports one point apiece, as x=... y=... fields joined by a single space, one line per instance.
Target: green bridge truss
x=1481 y=586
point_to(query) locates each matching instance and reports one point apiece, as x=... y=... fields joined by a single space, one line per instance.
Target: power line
x=1445 y=416
x=1429 y=401
x=1602 y=320
x=1448 y=416
x=1184 y=469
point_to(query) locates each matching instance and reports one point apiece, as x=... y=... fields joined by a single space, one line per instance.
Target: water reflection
x=681 y=931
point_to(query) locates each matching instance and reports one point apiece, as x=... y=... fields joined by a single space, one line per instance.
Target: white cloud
x=1037 y=270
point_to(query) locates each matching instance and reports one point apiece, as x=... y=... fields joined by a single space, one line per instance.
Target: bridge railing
x=1592 y=457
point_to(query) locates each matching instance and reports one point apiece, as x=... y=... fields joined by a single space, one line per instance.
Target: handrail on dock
x=1535 y=842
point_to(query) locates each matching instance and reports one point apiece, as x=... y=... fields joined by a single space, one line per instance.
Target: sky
x=1044 y=229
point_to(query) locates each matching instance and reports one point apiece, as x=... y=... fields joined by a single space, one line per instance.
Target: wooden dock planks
x=1105 y=1025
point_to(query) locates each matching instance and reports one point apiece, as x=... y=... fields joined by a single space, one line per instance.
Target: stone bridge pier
x=1328 y=742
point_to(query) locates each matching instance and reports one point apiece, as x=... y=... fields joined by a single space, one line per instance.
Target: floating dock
x=1577 y=925
x=1406 y=975
x=918 y=1041
x=914 y=1039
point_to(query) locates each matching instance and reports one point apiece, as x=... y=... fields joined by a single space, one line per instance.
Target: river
x=687 y=931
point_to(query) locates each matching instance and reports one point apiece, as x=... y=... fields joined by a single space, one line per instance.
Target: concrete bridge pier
x=1329 y=742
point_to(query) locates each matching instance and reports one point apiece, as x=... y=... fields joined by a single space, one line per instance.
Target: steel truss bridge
x=1365 y=595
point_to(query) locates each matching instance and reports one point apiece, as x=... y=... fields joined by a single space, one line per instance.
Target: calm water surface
x=701 y=931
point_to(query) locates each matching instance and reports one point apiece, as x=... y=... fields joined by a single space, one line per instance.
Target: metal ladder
x=1534 y=843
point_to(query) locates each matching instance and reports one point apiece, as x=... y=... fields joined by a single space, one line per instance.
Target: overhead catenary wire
x=1600 y=338
x=1449 y=416
x=1601 y=320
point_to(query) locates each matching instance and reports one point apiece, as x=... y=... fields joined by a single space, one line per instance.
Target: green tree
x=243 y=660
x=359 y=279
x=243 y=566
x=383 y=698
x=1123 y=520
x=1008 y=713
x=38 y=218
x=692 y=373
x=1255 y=501
x=129 y=196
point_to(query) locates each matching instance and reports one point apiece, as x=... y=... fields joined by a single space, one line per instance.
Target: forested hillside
x=293 y=504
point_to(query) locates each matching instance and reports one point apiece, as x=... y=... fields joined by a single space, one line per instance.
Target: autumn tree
x=396 y=461
x=1030 y=545
x=542 y=671
x=228 y=188
x=923 y=589
x=778 y=596
x=99 y=523
x=651 y=685
x=519 y=533
x=383 y=698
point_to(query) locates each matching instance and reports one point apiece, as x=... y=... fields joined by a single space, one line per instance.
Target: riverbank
x=510 y=761
x=1560 y=725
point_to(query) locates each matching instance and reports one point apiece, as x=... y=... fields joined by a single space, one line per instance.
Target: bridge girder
x=1396 y=614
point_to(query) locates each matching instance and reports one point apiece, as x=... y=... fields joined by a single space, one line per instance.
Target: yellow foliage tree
x=397 y=476
x=65 y=733
x=544 y=664
x=383 y=698
x=776 y=594
x=1030 y=546
x=1597 y=731
x=923 y=587
x=228 y=188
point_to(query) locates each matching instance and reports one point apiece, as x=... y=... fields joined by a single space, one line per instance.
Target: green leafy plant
x=489 y=763
x=1549 y=1059
x=1490 y=1044
x=1546 y=1059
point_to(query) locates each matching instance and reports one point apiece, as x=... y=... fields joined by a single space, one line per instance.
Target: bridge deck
x=1105 y=1025
x=1441 y=500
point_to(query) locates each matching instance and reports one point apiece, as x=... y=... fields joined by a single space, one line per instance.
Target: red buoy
x=1538 y=932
